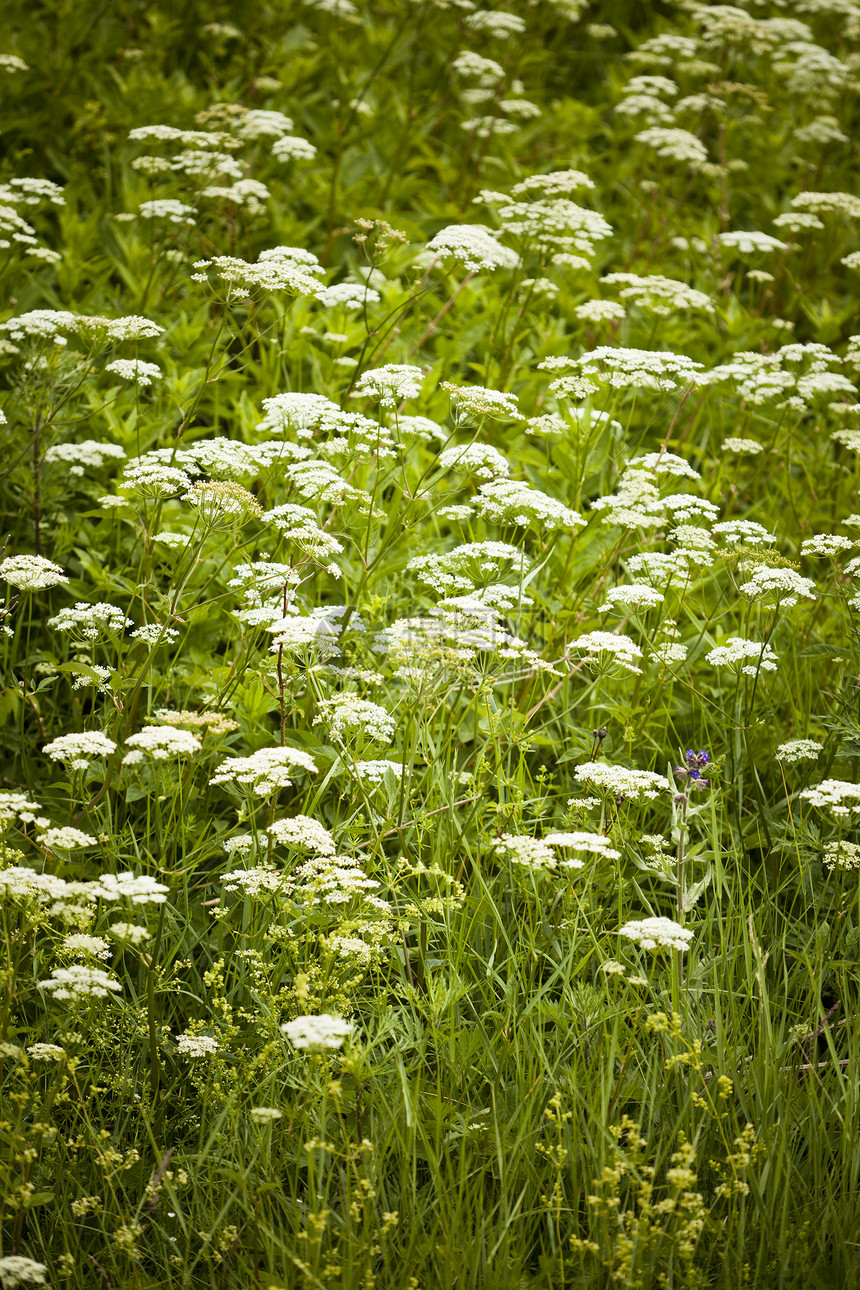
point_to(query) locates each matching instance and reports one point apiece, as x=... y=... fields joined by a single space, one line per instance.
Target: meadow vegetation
x=429 y=643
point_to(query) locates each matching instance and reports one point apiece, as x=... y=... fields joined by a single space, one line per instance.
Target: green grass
x=526 y=1098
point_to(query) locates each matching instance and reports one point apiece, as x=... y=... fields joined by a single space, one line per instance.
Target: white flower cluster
x=139 y=889
x=798 y=750
x=303 y=634
x=734 y=444
x=826 y=544
x=616 y=647
x=65 y=838
x=194 y=1046
x=474 y=246
x=132 y=369
x=15 y=1269
x=91 y=621
x=657 y=934
x=751 y=243
x=266 y=771
x=783 y=585
x=656 y=294
x=79 y=749
x=79 y=982
x=346 y=715
x=280 y=269
x=472 y=565
x=622 y=781
x=390 y=384
x=476 y=403
x=89 y=453
x=479 y=459
x=832 y=794
x=154 y=478
x=31 y=572
x=674 y=144
x=633 y=595
x=738 y=652
x=160 y=743
x=374 y=771
x=508 y=501
x=841 y=855
x=303 y=833
x=624 y=368
x=317 y=1033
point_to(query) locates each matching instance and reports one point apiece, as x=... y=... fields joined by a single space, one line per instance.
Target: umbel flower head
x=657 y=934
x=31 y=572
x=317 y=1033
x=223 y=502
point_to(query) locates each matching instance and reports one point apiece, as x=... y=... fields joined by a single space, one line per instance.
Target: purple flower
x=694 y=764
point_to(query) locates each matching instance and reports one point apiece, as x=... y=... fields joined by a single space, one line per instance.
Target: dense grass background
x=526 y=1098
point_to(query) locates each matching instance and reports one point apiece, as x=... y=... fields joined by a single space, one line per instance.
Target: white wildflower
x=657 y=934
x=798 y=750
x=31 y=572
x=317 y=1033
x=79 y=982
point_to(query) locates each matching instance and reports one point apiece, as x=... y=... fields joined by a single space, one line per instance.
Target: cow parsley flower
x=656 y=294
x=265 y=1114
x=89 y=453
x=657 y=934
x=79 y=749
x=374 y=771
x=614 y=646
x=78 y=943
x=293 y=147
x=140 y=889
x=474 y=246
x=160 y=743
x=508 y=501
x=132 y=369
x=633 y=595
x=194 y=1046
x=346 y=715
x=303 y=833
x=751 y=242
x=471 y=565
x=131 y=932
x=733 y=444
x=783 y=585
x=526 y=851
x=675 y=144
x=594 y=843
x=154 y=478
x=66 y=838
x=390 y=384
x=841 y=855
x=737 y=651
x=622 y=781
x=15 y=1269
x=266 y=771
x=479 y=459
x=826 y=544
x=798 y=750
x=496 y=23
x=79 y=982
x=31 y=572
x=91 y=621
x=46 y=1052
x=317 y=1034
x=623 y=368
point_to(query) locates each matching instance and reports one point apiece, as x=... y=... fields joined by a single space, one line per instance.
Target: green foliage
x=429 y=490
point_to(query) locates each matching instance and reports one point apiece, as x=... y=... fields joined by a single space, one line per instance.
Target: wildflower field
x=430 y=740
